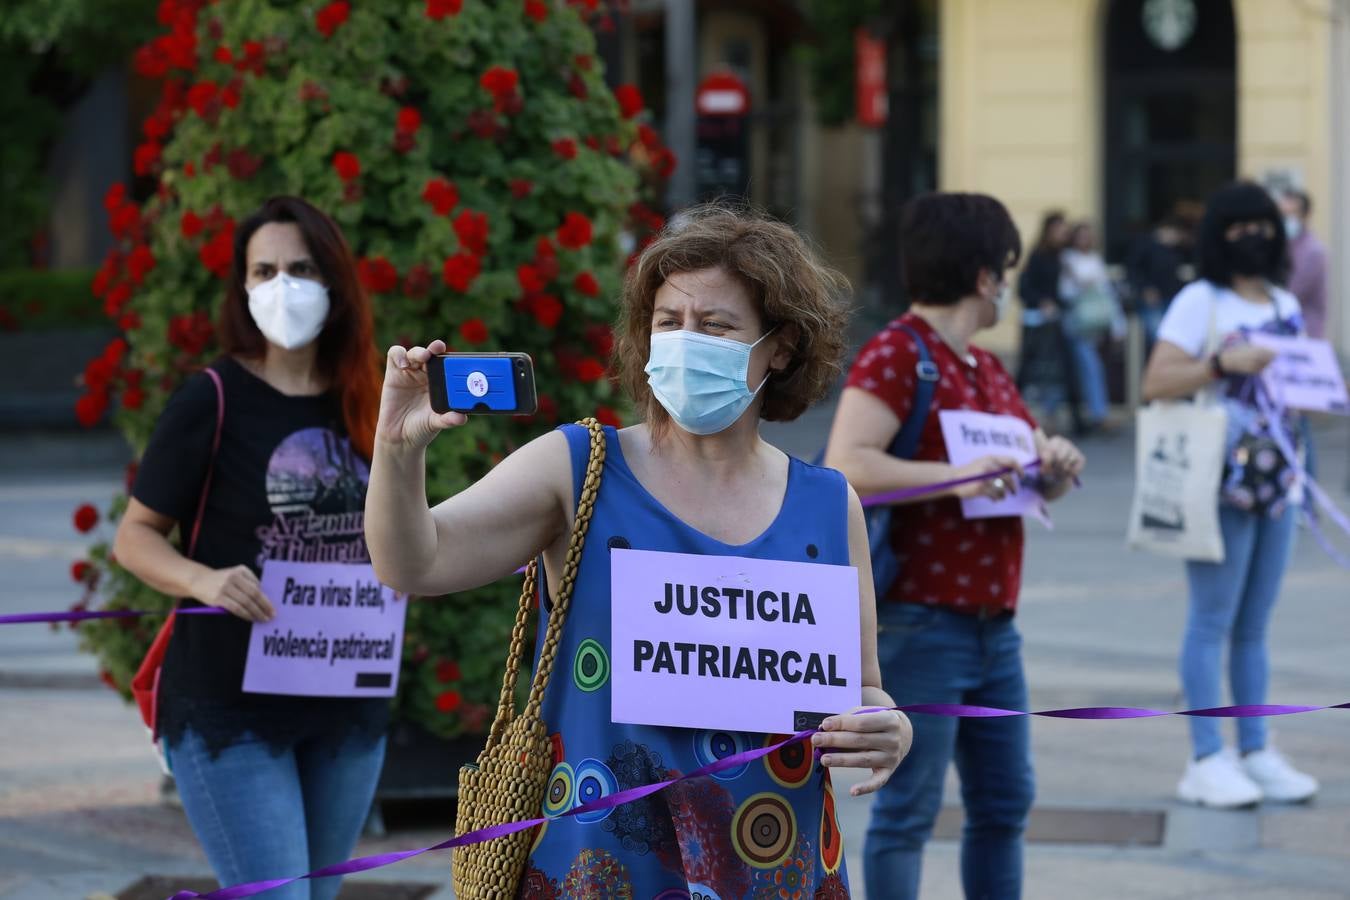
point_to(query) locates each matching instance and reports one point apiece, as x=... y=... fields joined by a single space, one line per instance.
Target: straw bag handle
x=506 y=706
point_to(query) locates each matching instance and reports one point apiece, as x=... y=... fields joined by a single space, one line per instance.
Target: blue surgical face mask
x=701 y=380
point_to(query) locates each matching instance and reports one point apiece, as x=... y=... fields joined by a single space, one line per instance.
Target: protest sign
x=725 y=642
x=1304 y=375
x=972 y=435
x=338 y=632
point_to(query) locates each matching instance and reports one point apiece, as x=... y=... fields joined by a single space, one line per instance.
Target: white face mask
x=1001 y=301
x=1293 y=226
x=290 y=312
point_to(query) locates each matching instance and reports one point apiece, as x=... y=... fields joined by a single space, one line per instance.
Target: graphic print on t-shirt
x=316 y=485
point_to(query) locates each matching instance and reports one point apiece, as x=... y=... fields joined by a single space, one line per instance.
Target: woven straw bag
x=507 y=784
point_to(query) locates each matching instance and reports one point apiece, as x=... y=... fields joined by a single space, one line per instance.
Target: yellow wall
x=1022 y=112
x=1019 y=89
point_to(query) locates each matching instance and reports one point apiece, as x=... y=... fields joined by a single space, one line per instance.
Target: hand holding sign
x=978 y=442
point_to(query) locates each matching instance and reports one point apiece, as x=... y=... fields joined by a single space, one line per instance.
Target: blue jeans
x=931 y=655
x=260 y=816
x=1091 y=376
x=1231 y=604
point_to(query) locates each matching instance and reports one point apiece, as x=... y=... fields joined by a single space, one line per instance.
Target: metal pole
x=681 y=75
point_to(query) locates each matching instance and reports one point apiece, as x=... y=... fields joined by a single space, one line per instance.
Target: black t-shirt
x=286 y=485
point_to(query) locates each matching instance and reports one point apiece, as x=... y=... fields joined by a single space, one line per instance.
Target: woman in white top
x=1092 y=313
x=1203 y=344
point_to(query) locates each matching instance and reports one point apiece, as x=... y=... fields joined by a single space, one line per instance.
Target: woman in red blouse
x=945 y=625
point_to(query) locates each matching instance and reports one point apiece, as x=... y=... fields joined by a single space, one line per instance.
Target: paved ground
x=79 y=810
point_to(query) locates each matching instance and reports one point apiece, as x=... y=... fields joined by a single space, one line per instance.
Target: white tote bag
x=1179 y=457
x=1178 y=465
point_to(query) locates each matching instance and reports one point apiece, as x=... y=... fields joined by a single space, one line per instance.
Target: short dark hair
x=1239 y=201
x=947 y=238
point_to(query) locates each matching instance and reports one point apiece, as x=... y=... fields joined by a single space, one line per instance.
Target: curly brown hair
x=793 y=291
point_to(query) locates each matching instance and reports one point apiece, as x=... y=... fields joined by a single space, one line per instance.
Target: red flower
x=442 y=195
x=125 y=220
x=80 y=571
x=544 y=249
x=521 y=188
x=190 y=169
x=139 y=263
x=589 y=370
x=115 y=196
x=499 y=81
x=664 y=163
x=439 y=9
x=448 y=701
x=377 y=275
x=90 y=408
x=546 y=309
x=630 y=100
x=585 y=283
x=417 y=283
x=575 y=231
x=117 y=298
x=132 y=398
x=217 y=254
x=157 y=126
x=86 y=518
x=191 y=332
x=312 y=90
x=460 y=271
x=601 y=339
x=536 y=9
x=447 y=670
x=230 y=95
x=149 y=61
x=143 y=161
x=474 y=331
x=606 y=416
x=582 y=61
x=531 y=282
x=409 y=120
x=253 y=58
x=331 y=17
x=648 y=137
x=566 y=148
x=242 y=164
x=129 y=322
x=577 y=86
x=347 y=165
x=472 y=229
x=223 y=55
x=593 y=142
x=202 y=97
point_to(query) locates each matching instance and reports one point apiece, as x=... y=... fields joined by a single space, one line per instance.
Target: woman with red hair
x=264 y=457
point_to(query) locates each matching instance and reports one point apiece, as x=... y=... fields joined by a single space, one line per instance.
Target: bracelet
x=1216 y=367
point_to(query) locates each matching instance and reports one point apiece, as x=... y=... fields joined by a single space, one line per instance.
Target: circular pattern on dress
x=711 y=746
x=560 y=795
x=831 y=839
x=764 y=830
x=672 y=894
x=590 y=669
x=595 y=781
x=789 y=766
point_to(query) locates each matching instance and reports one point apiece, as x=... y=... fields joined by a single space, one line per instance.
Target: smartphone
x=501 y=383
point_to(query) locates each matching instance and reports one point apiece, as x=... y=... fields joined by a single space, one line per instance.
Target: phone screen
x=471 y=382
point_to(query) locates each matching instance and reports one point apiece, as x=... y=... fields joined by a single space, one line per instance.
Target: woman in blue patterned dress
x=725 y=320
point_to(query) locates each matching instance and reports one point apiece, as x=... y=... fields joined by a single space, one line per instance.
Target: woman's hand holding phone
x=406 y=416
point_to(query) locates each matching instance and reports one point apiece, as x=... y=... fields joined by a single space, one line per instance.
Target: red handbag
x=145 y=683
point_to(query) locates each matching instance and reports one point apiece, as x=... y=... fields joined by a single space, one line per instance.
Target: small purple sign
x=1304 y=374
x=733 y=643
x=338 y=632
x=972 y=435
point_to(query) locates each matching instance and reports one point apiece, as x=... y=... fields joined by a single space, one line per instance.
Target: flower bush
x=490 y=184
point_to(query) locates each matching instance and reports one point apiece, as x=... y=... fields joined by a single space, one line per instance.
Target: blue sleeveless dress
x=764 y=830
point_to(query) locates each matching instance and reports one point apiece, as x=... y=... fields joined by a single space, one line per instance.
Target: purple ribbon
x=366 y=863
x=909 y=493
x=82 y=615
x=1274 y=415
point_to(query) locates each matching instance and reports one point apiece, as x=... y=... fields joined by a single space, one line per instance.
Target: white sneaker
x=1277 y=779
x=1218 y=781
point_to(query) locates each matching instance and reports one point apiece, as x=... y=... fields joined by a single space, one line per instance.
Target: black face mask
x=1251 y=254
